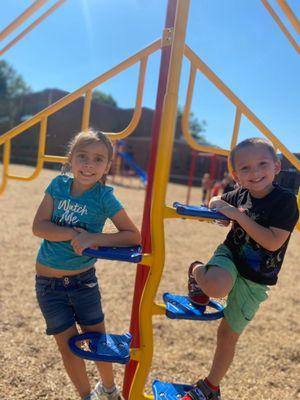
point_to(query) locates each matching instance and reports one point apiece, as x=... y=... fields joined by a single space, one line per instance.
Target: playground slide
x=133 y=165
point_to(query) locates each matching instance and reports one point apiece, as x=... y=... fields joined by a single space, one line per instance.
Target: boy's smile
x=255 y=169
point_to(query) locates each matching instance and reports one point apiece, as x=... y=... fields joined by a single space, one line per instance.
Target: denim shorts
x=70 y=299
x=245 y=297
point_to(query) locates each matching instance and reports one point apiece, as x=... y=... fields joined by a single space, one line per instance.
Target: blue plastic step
x=169 y=391
x=102 y=347
x=180 y=307
x=199 y=211
x=131 y=254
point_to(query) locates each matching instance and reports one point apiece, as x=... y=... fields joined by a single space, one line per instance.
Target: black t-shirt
x=279 y=210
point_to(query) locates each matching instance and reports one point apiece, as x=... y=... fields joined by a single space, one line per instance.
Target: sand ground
x=266 y=366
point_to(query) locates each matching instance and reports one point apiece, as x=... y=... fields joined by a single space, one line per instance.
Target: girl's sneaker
x=92 y=396
x=104 y=395
x=201 y=391
x=196 y=295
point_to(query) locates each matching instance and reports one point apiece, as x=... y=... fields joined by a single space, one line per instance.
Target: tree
x=12 y=86
x=196 y=127
x=104 y=98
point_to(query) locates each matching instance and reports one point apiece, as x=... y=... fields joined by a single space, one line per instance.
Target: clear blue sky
x=238 y=40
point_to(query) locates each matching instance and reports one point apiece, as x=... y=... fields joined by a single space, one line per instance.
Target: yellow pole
x=161 y=177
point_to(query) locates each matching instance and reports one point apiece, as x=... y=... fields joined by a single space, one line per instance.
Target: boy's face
x=255 y=169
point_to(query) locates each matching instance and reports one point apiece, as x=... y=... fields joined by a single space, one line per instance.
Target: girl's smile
x=88 y=165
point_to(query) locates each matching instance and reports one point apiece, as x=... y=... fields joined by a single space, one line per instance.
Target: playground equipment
x=121 y=157
x=133 y=165
x=150 y=269
x=216 y=166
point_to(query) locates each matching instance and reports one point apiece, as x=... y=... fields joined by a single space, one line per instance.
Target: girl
x=70 y=219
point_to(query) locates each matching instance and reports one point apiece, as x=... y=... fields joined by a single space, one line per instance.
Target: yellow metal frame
x=18 y=21
x=290 y=15
x=42 y=117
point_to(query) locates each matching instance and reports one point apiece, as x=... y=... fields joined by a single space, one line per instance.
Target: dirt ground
x=267 y=360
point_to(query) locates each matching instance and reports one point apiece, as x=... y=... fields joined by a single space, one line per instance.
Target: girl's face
x=89 y=163
x=255 y=169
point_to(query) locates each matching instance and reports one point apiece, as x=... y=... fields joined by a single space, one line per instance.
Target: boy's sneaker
x=104 y=395
x=201 y=391
x=196 y=295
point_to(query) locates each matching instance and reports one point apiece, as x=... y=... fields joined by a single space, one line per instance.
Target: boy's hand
x=226 y=209
x=82 y=240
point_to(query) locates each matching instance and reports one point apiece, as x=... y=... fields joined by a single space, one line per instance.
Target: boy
x=263 y=215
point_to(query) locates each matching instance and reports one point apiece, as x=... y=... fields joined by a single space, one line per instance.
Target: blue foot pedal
x=199 y=211
x=102 y=347
x=181 y=307
x=130 y=254
x=169 y=391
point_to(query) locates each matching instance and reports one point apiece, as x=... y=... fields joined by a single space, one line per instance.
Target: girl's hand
x=82 y=240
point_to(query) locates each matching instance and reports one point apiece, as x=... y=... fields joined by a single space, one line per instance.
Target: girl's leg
x=105 y=369
x=214 y=281
x=74 y=365
x=226 y=343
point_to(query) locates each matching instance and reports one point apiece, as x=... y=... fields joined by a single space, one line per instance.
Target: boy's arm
x=44 y=228
x=127 y=235
x=270 y=238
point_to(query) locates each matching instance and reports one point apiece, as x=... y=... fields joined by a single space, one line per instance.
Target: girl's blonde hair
x=83 y=139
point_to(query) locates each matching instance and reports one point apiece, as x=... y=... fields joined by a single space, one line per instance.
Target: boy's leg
x=217 y=277
x=214 y=281
x=224 y=353
x=74 y=365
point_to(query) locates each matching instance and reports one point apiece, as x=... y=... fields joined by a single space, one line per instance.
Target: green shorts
x=245 y=296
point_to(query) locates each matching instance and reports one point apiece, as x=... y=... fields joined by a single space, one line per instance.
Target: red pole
x=143 y=270
x=191 y=175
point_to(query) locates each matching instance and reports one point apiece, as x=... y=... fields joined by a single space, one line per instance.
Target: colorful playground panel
x=131 y=254
x=180 y=307
x=169 y=391
x=199 y=211
x=102 y=347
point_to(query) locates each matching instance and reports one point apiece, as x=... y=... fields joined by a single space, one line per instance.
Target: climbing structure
x=156 y=211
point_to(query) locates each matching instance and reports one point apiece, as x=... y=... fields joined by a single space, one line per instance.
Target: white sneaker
x=92 y=396
x=103 y=395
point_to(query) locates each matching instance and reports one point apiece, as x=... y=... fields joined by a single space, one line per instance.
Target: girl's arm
x=44 y=228
x=127 y=235
x=270 y=238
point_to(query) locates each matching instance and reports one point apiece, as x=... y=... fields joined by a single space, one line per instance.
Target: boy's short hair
x=253 y=142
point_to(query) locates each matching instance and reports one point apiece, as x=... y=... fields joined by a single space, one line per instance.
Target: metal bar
x=275 y=16
x=80 y=92
x=161 y=175
x=31 y=26
x=6 y=158
x=143 y=268
x=86 y=110
x=41 y=152
x=199 y=64
x=21 y=18
x=290 y=14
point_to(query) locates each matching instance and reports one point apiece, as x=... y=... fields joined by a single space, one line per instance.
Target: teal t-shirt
x=88 y=211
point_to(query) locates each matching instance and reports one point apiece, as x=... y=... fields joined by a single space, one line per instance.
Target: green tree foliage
x=12 y=86
x=104 y=98
x=196 y=127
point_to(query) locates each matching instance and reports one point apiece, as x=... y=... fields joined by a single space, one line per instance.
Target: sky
x=237 y=39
